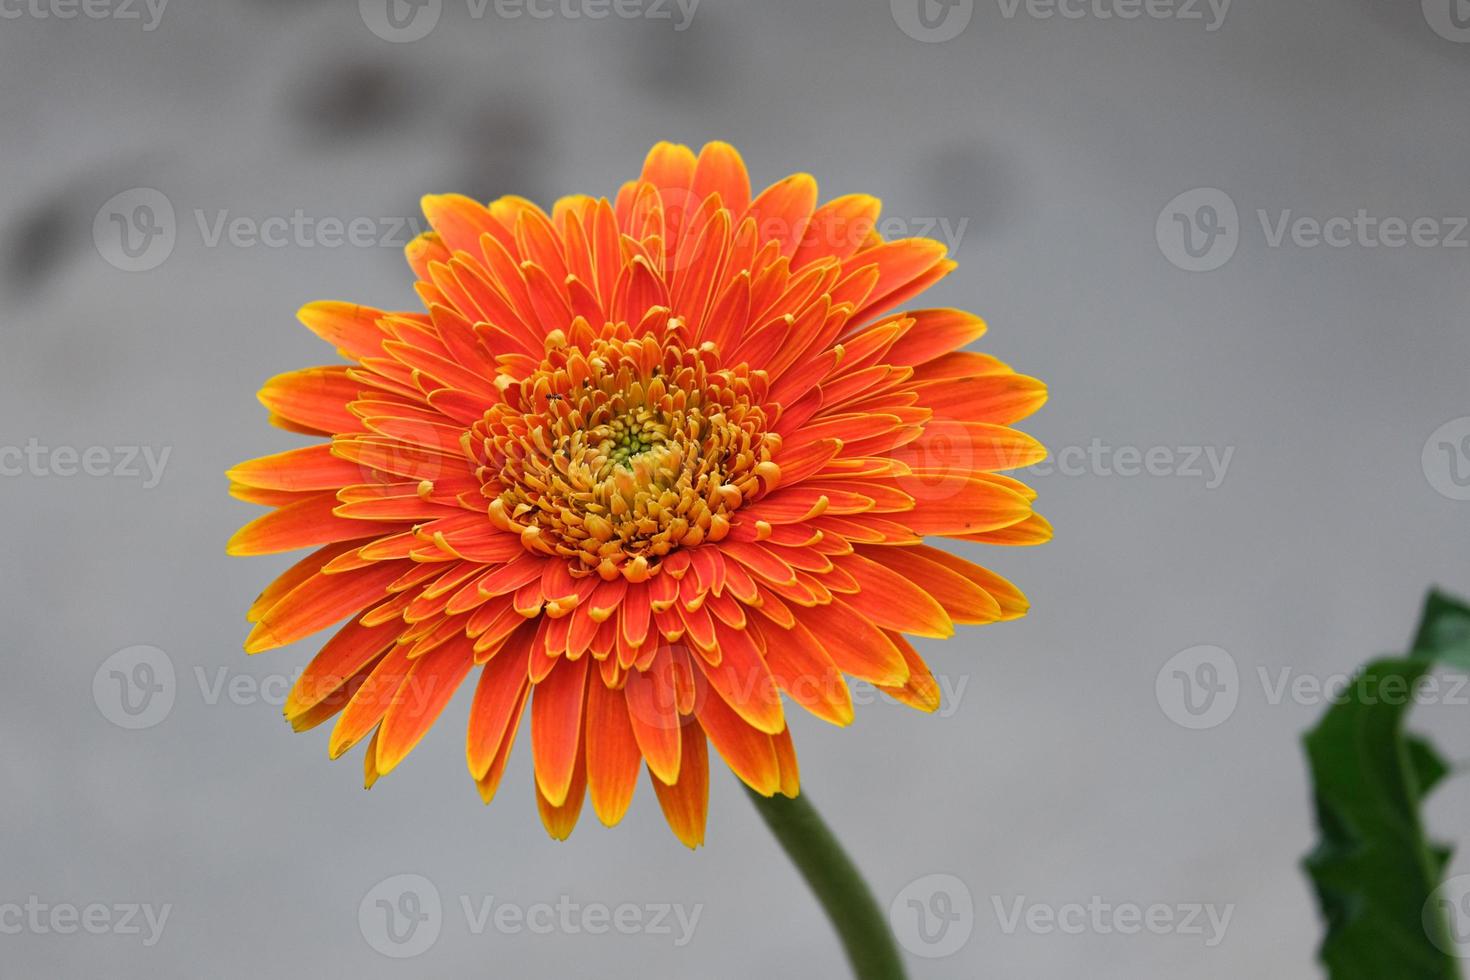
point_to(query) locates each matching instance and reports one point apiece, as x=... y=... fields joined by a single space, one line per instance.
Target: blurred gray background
x=1047 y=149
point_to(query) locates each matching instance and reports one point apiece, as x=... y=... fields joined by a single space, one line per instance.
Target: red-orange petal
x=431 y=682
x=654 y=715
x=352 y=329
x=298 y=470
x=559 y=818
x=748 y=752
x=314 y=398
x=556 y=727
x=613 y=758
x=685 y=802
x=353 y=647
x=319 y=602
x=307 y=523
x=371 y=701
x=744 y=681
x=854 y=643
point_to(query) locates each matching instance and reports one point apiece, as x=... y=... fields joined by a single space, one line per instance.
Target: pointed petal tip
x=260 y=640
x=555 y=795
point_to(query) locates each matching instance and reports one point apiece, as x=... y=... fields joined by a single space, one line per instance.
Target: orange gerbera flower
x=643 y=465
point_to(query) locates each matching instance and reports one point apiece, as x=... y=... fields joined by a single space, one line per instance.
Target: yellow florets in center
x=614 y=452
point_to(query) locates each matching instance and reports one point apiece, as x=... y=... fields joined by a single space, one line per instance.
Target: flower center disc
x=615 y=450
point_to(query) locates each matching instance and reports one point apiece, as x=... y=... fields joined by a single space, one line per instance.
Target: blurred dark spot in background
x=38 y=239
x=699 y=64
x=972 y=182
x=504 y=148
x=349 y=98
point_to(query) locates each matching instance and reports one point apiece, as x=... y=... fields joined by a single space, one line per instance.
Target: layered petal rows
x=649 y=469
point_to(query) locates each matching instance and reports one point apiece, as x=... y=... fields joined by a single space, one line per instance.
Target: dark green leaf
x=1374 y=868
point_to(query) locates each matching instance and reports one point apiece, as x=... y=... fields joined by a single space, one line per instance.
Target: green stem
x=836 y=882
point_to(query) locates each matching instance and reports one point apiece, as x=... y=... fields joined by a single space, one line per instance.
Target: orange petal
x=956 y=504
x=669 y=166
x=997 y=398
x=920 y=691
x=613 y=758
x=964 y=600
x=353 y=647
x=1013 y=603
x=1033 y=530
x=808 y=675
x=294 y=576
x=898 y=603
x=556 y=727
x=460 y=221
x=490 y=782
x=764 y=562
x=499 y=697
x=748 y=752
x=371 y=702
x=719 y=170
x=783 y=210
x=559 y=819
x=321 y=601
x=786 y=756
x=933 y=333
x=838 y=228
x=304 y=469
x=685 y=802
x=899 y=262
x=654 y=715
x=306 y=523
x=744 y=681
x=431 y=682
x=425 y=250
x=316 y=398
x=855 y=645
x=352 y=329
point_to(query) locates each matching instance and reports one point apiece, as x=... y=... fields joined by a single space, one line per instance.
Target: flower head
x=643 y=466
